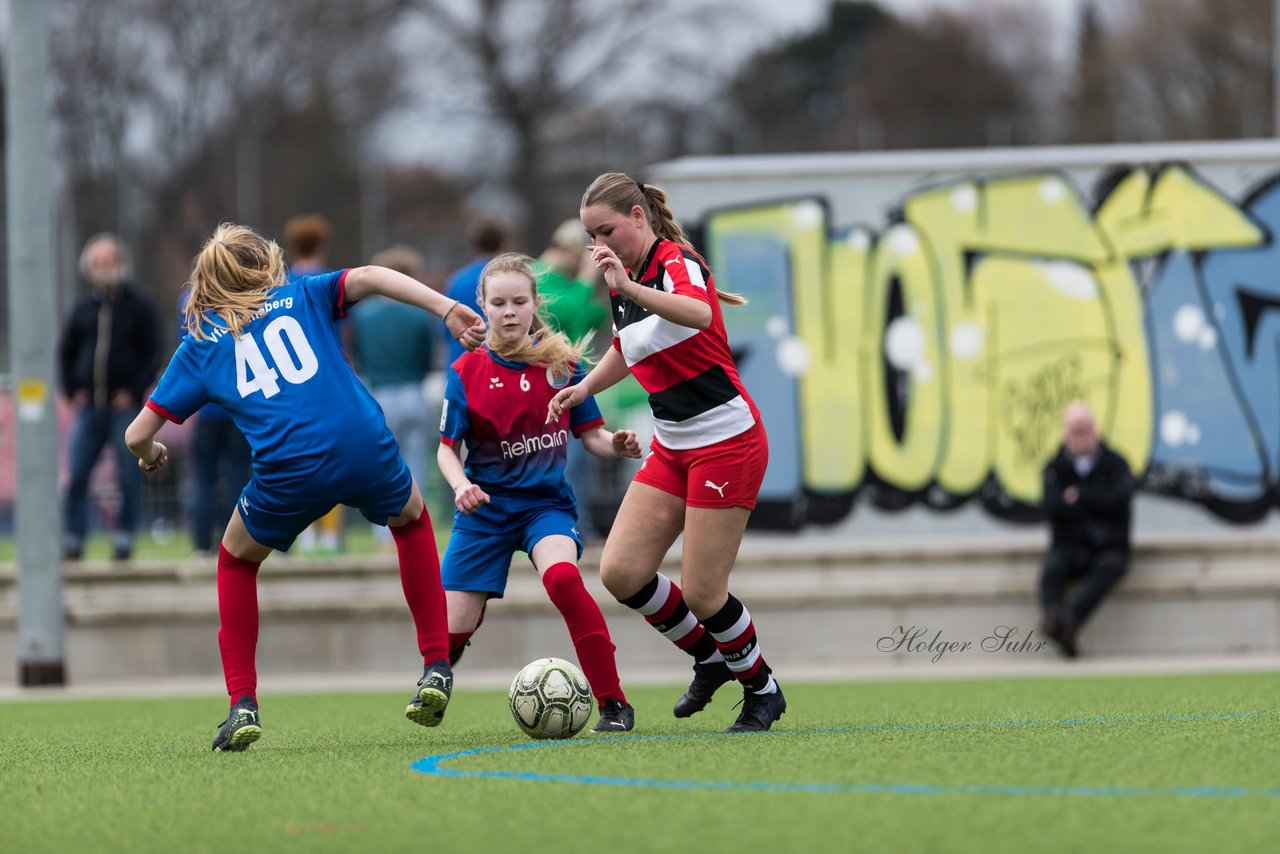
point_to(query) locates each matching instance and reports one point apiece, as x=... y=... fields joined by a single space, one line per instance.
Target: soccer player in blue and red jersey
x=511 y=494
x=709 y=452
x=264 y=348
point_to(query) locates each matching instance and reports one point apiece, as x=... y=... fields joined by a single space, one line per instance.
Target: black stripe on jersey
x=626 y=312
x=694 y=396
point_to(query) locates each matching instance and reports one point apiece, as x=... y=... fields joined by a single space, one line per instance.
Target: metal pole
x=32 y=325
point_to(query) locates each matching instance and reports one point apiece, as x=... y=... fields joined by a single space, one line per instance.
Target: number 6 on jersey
x=252 y=371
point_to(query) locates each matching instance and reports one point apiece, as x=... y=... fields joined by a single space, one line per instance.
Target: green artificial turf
x=1177 y=763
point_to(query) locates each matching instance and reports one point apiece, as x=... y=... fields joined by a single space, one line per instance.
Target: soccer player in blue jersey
x=511 y=494
x=264 y=348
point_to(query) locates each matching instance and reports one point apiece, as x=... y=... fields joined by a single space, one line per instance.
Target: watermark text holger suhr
x=919 y=640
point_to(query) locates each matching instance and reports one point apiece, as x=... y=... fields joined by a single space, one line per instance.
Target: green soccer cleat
x=241 y=728
x=434 y=689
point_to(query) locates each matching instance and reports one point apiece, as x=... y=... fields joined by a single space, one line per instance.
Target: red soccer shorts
x=726 y=474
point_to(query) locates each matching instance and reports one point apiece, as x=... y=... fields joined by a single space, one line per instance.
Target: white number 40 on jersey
x=252 y=371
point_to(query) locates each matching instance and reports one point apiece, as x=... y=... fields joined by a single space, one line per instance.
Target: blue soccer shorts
x=479 y=560
x=277 y=520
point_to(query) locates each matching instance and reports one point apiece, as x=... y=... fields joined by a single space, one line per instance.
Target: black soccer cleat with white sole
x=706 y=679
x=615 y=716
x=434 y=690
x=242 y=727
x=759 y=711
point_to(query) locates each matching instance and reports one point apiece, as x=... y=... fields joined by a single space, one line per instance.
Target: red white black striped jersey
x=694 y=390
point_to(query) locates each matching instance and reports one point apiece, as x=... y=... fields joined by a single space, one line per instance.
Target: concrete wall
x=818 y=604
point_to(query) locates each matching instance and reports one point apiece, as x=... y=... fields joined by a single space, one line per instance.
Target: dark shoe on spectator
x=1063 y=634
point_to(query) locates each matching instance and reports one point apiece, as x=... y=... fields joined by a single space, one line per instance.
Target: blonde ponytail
x=231 y=278
x=544 y=346
x=620 y=192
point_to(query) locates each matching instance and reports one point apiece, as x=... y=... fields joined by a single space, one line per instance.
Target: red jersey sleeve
x=683 y=272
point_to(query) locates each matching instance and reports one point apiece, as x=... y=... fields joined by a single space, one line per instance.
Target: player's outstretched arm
x=463 y=323
x=467 y=497
x=611 y=368
x=141 y=439
x=611 y=444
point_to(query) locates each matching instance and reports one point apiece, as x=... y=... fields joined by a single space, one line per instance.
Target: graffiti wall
x=928 y=358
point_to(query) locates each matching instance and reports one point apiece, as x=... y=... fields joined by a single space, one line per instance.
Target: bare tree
x=938 y=82
x=543 y=73
x=1187 y=69
x=163 y=97
x=1091 y=103
x=869 y=79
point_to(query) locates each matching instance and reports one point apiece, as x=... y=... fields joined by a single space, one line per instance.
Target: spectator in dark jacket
x=108 y=356
x=1088 y=493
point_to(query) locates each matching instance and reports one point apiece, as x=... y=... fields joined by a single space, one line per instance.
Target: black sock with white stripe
x=662 y=605
x=735 y=636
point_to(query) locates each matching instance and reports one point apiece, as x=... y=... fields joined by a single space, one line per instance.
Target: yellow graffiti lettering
x=942 y=351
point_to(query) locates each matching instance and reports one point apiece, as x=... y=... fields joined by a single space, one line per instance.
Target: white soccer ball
x=550 y=698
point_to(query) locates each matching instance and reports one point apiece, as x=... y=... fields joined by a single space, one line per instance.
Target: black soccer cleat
x=241 y=728
x=706 y=679
x=434 y=690
x=615 y=716
x=759 y=711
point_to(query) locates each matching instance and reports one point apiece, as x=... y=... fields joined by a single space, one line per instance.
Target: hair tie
x=224 y=246
x=640 y=184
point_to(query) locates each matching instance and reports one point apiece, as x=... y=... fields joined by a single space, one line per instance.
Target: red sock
x=420 y=578
x=457 y=644
x=458 y=640
x=238 y=615
x=587 y=630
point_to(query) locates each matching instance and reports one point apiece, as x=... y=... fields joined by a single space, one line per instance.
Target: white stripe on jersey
x=691 y=269
x=715 y=425
x=659 y=597
x=651 y=335
x=686 y=625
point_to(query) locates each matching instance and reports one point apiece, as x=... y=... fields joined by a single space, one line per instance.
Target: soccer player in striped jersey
x=263 y=347
x=511 y=494
x=709 y=451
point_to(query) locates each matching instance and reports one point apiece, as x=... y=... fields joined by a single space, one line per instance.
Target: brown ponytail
x=619 y=192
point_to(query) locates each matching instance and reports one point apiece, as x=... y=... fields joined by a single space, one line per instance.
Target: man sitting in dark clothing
x=1088 y=493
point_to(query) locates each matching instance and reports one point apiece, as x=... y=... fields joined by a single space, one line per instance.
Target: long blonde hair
x=545 y=345
x=620 y=192
x=232 y=276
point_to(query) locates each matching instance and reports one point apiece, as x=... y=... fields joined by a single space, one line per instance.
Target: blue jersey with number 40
x=311 y=423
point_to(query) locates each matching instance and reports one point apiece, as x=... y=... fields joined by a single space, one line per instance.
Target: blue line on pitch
x=433 y=765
